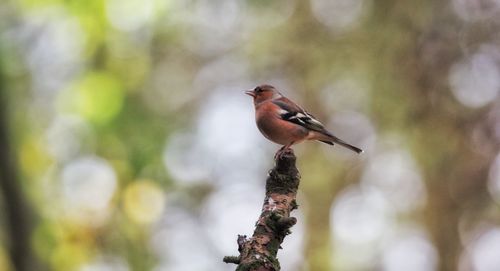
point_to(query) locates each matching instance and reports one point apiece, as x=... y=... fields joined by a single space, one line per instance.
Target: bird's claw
x=282 y=151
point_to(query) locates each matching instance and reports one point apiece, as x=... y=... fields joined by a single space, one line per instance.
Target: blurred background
x=127 y=144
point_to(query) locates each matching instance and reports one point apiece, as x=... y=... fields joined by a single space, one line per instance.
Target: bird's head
x=263 y=93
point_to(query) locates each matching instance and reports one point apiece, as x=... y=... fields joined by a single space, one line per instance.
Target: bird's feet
x=282 y=151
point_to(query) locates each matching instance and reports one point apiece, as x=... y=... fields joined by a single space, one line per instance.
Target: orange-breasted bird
x=286 y=123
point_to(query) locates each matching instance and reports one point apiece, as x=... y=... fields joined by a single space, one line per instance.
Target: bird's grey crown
x=263 y=87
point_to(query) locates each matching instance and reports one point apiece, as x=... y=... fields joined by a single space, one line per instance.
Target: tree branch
x=259 y=252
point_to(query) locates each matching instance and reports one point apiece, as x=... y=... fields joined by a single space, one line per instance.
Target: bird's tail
x=330 y=139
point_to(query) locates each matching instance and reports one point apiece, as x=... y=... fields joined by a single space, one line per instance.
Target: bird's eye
x=258 y=89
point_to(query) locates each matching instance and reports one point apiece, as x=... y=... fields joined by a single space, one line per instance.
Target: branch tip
x=285 y=160
x=231 y=259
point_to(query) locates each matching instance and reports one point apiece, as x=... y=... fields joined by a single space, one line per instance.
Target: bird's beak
x=250 y=93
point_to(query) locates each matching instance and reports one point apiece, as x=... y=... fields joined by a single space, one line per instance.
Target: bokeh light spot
x=338 y=15
x=66 y=136
x=128 y=15
x=183 y=229
x=359 y=216
x=240 y=211
x=88 y=184
x=144 y=201
x=485 y=251
x=98 y=97
x=413 y=252
x=475 y=81
x=349 y=93
x=184 y=159
x=359 y=219
x=394 y=174
x=473 y=10
x=53 y=49
x=106 y=264
x=210 y=23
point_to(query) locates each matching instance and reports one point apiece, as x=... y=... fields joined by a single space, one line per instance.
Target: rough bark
x=258 y=253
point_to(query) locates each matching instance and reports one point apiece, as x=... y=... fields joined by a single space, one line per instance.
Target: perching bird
x=284 y=122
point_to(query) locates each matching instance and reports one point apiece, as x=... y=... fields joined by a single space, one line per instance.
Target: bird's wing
x=293 y=113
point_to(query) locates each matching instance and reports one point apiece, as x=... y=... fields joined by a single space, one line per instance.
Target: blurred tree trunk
x=17 y=212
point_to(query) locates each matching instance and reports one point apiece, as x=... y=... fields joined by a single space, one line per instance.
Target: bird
x=284 y=122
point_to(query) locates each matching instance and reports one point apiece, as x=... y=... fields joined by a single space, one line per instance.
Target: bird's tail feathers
x=330 y=139
x=349 y=146
x=327 y=142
